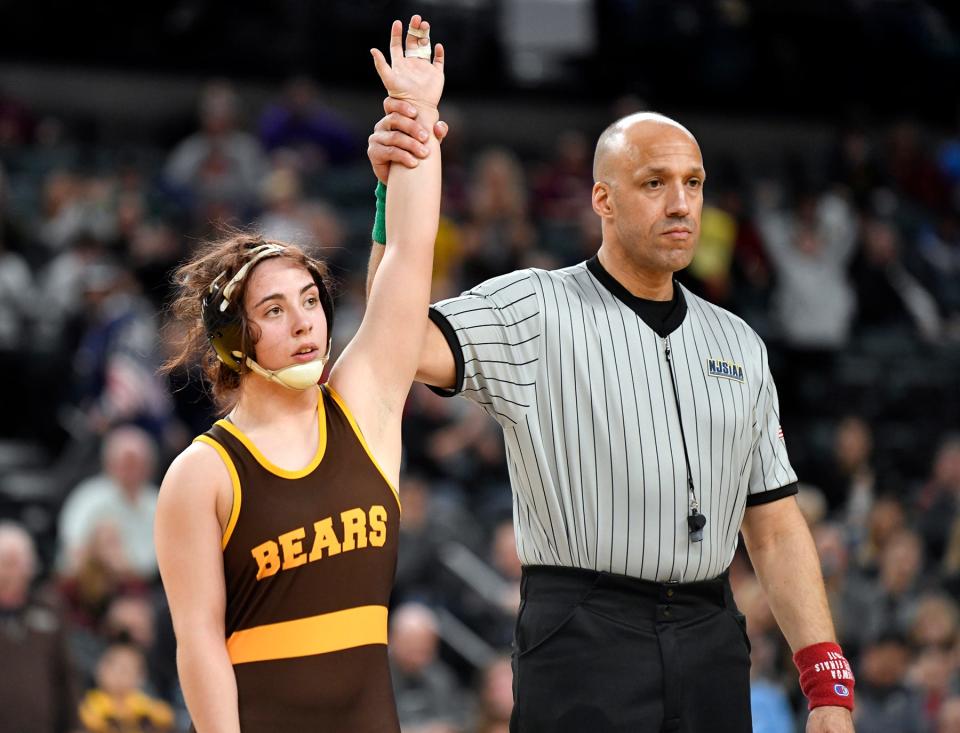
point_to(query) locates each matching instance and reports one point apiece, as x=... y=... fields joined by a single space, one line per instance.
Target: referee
x=642 y=432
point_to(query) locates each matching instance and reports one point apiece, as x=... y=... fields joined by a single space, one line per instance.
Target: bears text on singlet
x=358 y=529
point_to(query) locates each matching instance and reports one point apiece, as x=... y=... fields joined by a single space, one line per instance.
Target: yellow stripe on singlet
x=234 y=480
x=267 y=463
x=303 y=637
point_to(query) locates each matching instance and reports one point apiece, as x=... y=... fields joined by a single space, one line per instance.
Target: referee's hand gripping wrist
x=400 y=137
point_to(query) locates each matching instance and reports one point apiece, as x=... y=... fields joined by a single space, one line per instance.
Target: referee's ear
x=601 y=199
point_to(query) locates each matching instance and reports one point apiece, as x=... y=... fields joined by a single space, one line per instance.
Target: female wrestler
x=276 y=530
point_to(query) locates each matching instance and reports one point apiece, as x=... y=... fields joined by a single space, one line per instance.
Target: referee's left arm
x=785 y=559
x=776 y=534
x=786 y=562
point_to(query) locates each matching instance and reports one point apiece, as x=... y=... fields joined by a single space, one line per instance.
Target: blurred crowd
x=849 y=268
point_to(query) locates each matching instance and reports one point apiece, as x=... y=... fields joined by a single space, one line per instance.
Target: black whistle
x=696 y=522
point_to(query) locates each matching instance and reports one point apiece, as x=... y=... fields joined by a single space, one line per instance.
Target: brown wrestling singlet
x=309 y=558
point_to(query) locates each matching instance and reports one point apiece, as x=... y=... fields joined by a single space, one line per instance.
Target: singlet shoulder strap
x=209 y=439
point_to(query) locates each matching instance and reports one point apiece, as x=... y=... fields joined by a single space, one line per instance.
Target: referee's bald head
x=614 y=141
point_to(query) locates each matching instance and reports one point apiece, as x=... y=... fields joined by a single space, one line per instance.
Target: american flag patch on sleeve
x=780 y=432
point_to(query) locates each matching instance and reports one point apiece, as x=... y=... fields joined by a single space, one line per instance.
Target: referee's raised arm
x=398 y=138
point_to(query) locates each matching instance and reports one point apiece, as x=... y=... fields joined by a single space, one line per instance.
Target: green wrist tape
x=380 y=219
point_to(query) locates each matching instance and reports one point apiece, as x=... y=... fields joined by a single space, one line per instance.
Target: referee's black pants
x=598 y=653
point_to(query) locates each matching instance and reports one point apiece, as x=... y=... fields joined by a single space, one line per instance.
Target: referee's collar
x=664 y=317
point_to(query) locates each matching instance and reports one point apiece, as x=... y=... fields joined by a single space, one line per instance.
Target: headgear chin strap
x=295 y=376
x=224 y=328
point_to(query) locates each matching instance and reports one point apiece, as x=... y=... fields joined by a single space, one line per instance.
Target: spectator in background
x=117 y=703
x=288 y=217
x=429 y=523
x=885 y=702
x=38 y=692
x=133 y=618
x=17 y=123
x=62 y=284
x=100 y=573
x=73 y=205
x=887 y=602
x=889 y=296
x=935 y=622
x=128 y=614
x=809 y=248
x=17 y=303
x=490 y=606
x=938 y=244
x=300 y=122
x=561 y=185
x=813 y=301
x=123 y=494
x=559 y=188
x=886 y=518
x=938 y=501
x=18 y=331
x=933 y=636
x=59 y=217
x=854 y=165
x=498 y=234
x=472 y=454
x=730 y=265
x=152 y=251
x=115 y=367
x=440 y=437
x=280 y=194
x=812 y=504
x=849 y=479
x=428 y=697
x=129 y=204
x=912 y=168
x=932 y=674
x=711 y=268
x=217 y=169
x=494 y=697
x=417 y=555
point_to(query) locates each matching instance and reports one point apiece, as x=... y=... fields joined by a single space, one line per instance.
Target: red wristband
x=825 y=675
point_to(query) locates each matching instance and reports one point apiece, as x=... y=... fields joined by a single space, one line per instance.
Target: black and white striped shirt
x=581 y=386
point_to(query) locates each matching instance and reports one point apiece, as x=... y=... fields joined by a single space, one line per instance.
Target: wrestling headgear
x=224 y=327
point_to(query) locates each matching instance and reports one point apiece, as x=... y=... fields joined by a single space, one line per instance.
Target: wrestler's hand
x=398 y=138
x=830 y=719
x=418 y=81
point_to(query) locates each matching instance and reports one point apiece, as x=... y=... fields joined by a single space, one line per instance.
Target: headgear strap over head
x=224 y=326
